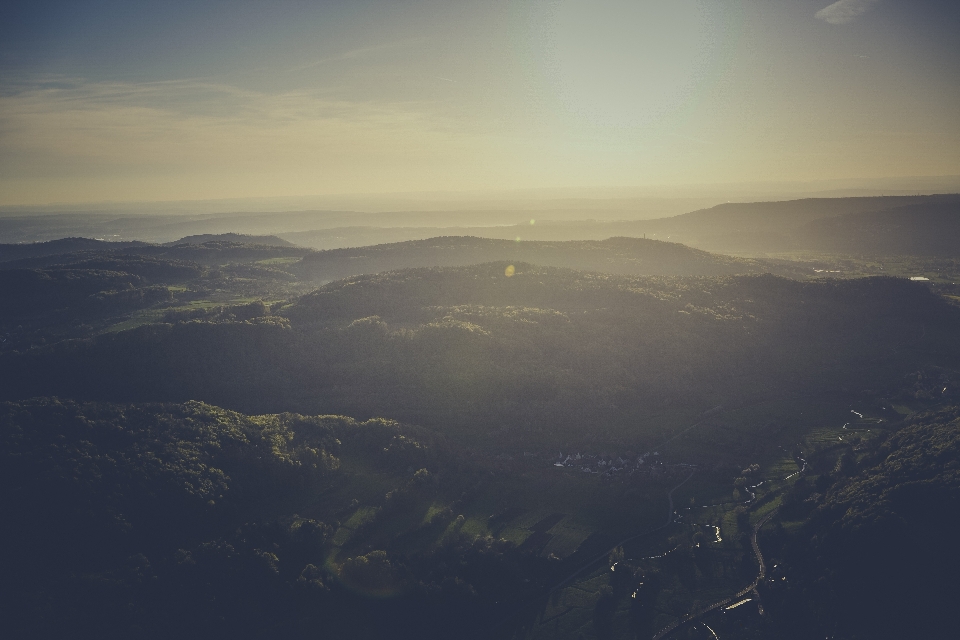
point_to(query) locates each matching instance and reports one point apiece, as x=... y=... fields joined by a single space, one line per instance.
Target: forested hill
x=547 y=355
x=876 y=557
x=636 y=256
x=213 y=252
x=20 y=251
x=737 y=227
x=920 y=230
x=792 y=214
x=241 y=238
x=780 y=226
x=184 y=521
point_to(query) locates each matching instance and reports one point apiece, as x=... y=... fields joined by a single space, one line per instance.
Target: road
x=752 y=587
x=670 y=516
x=593 y=561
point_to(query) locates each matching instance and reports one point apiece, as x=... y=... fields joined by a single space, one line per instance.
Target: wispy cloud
x=362 y=52
x=190 y=126
x=844 y=11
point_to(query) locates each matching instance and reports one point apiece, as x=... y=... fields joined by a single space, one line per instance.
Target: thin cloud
x=844 y=11
x=356 y=53
x=188 y=123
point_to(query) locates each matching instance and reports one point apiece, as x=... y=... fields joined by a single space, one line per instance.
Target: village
x=608 y=466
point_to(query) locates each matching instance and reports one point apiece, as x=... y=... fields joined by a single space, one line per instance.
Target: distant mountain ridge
x=925 y=229
x=752 y=228
x=795 y=213
x=784 y=226
x=10 y=252
x=39 y=255
x=739 y=228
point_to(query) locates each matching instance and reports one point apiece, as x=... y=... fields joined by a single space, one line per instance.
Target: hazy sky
x=181 y=100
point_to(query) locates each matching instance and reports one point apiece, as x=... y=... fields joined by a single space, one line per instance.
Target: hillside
x=158 y=227
x=73 y=294
x=760 y=227
x=739 y=228
x=239 y=238
x=209 y=253
x=176 y=452
x=9 y=252
x=540 y=354
x=879 y=531
x=746 y=228
x=635 y=256
x=49 y=298
x=184 y=520
x=918 y=230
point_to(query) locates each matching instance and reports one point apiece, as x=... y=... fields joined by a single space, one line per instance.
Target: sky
x=176 y=100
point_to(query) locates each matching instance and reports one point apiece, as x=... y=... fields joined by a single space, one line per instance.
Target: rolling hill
x=238 y=238
x=529 y=358
x=752 y=228
x=919 y=230
x=10 y=252
x=635 y=256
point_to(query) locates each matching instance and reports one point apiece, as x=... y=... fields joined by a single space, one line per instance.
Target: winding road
x=593 y=561
x=752 y=587
x=671 y=514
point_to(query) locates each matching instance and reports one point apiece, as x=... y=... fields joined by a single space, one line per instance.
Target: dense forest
x=188 y=520
x=545 y=356
x=874 y=556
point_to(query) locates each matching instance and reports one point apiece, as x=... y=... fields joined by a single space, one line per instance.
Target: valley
x=470 y=437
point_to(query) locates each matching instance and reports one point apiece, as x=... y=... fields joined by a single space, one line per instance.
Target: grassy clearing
x=515 y=535
x=434 y=511
x=566 y=537
x=132 y=323
x=153 y=315
x=824 y=436
x=528 y=519
x=282 y=260
x=476 y=527
x=360 y=517
x=758 y=514
x=781 y=468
